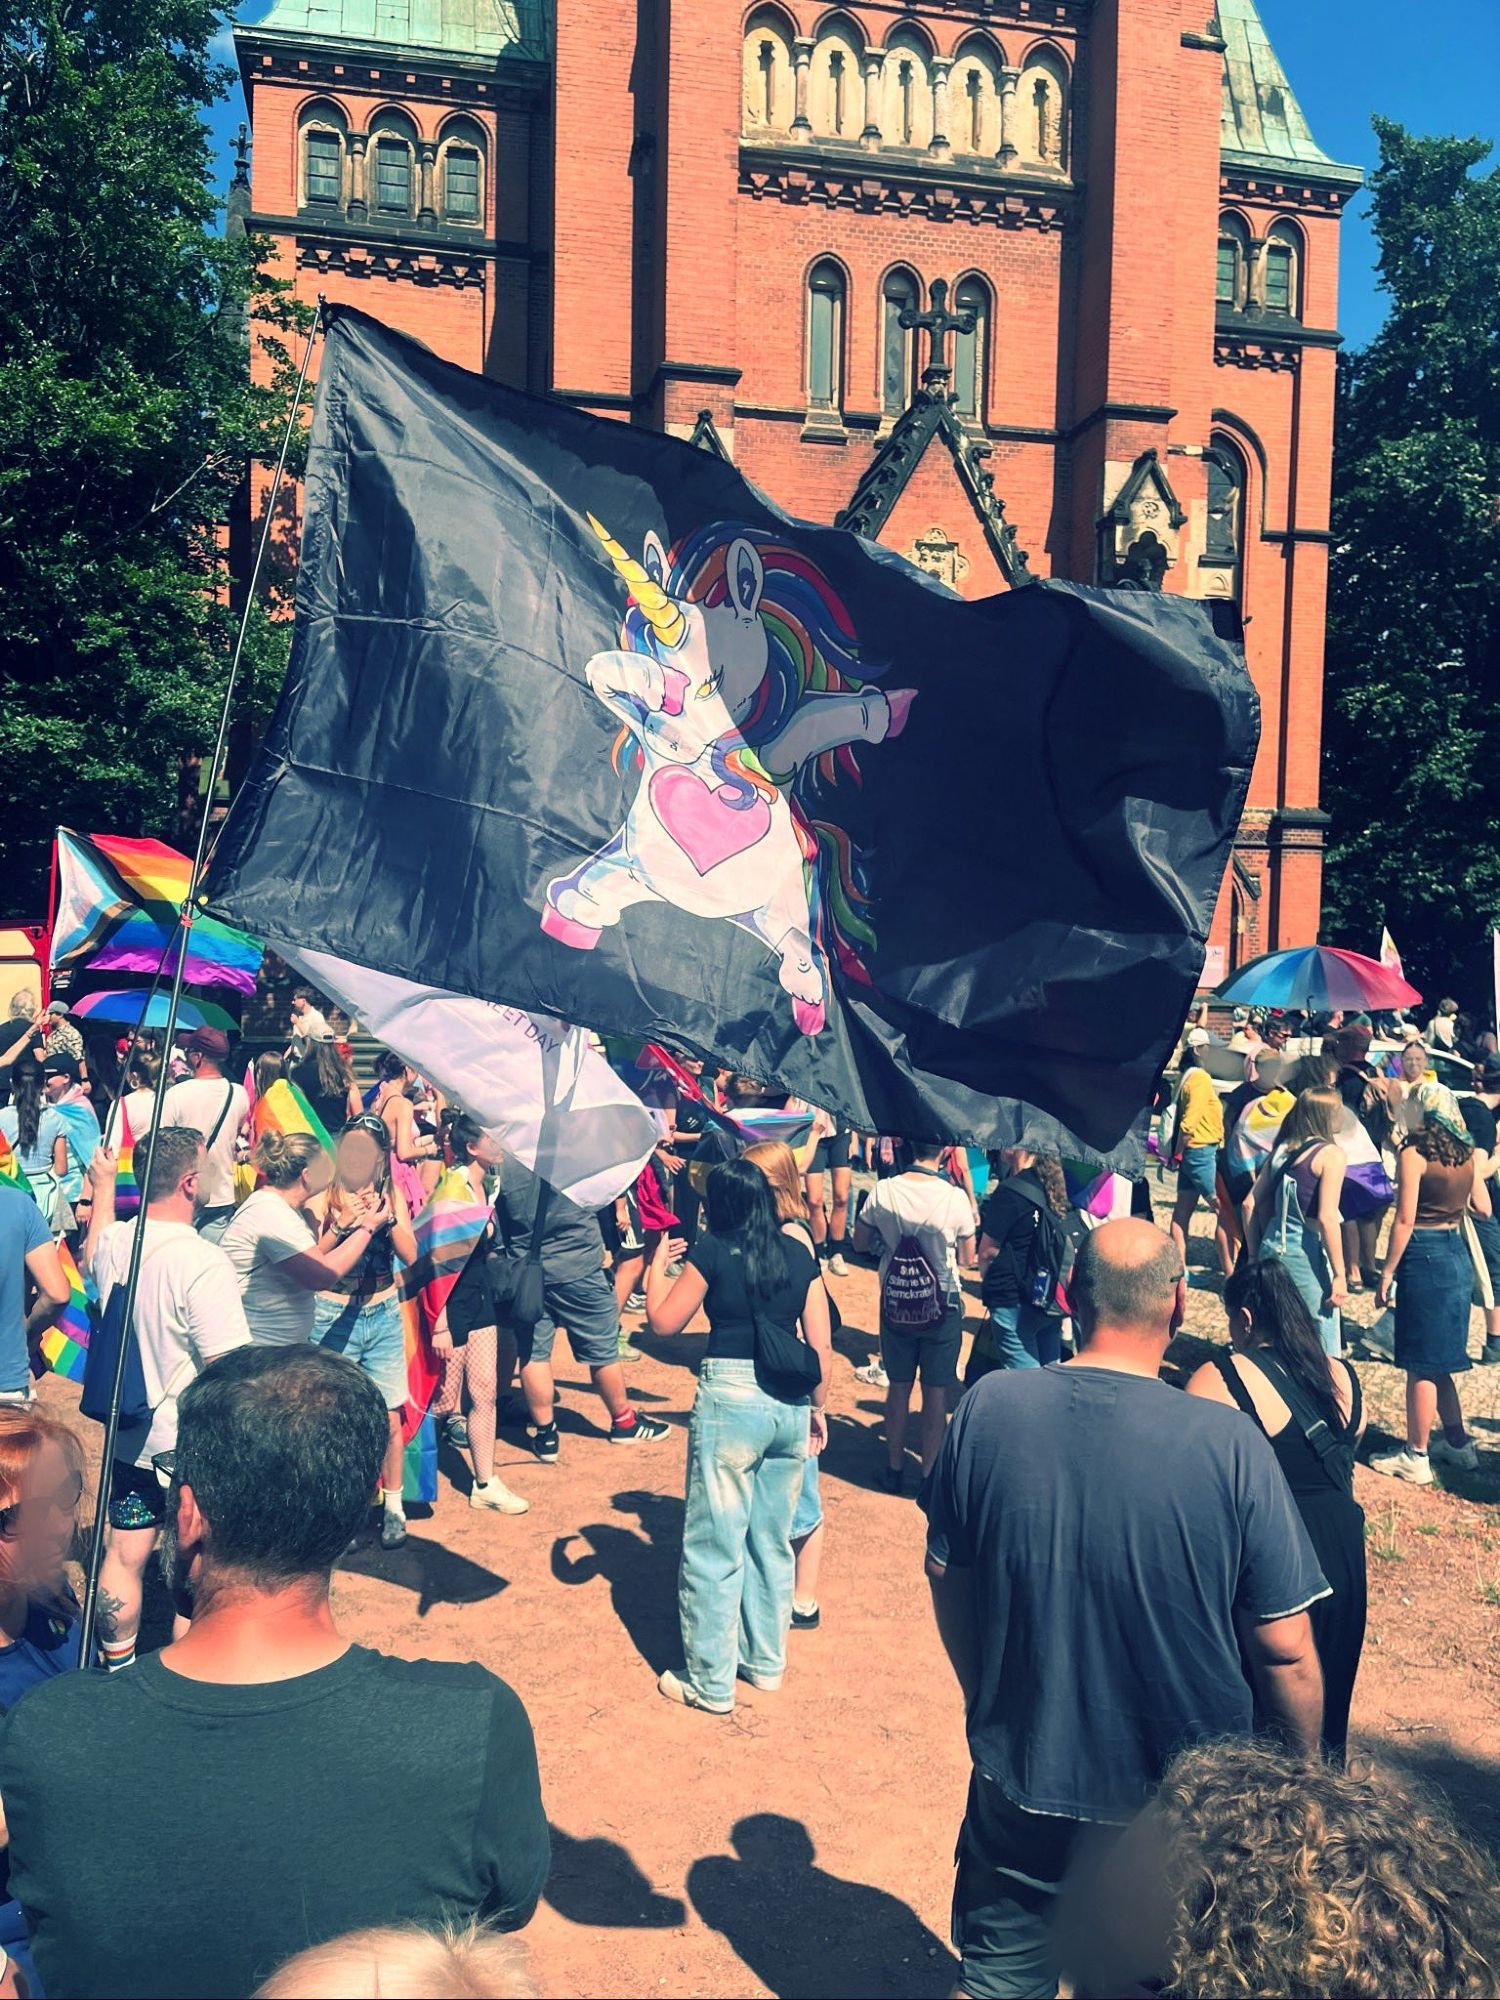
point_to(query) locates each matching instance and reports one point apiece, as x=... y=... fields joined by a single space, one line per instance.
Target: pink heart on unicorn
x=704 y=820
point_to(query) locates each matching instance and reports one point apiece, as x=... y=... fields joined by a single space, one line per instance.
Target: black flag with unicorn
x=579 y=722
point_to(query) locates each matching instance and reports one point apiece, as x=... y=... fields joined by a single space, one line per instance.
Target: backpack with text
x=912 y=1297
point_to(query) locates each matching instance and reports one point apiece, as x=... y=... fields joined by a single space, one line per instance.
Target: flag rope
x=138 y=1239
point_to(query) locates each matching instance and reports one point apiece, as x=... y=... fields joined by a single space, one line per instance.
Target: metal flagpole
x=138 y=1238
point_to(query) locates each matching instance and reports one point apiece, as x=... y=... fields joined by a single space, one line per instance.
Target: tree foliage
x=127 y=421
x=1412 y=774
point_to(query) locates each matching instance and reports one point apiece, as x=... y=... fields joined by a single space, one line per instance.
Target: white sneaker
x=837 y=1265
x=1465 y=1456
x=1405 y=1464
x=874 y=1374
x=497 y=1496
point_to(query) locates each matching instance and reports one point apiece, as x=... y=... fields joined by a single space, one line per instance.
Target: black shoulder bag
x=786 y=1368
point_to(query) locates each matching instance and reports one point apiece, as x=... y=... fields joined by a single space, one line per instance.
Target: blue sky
x=1347 y=60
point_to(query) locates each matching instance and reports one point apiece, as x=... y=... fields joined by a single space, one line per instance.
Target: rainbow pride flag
x=118 y=904
x=127 y=1187
x=216 y=955
x=10 y=1168
x=284 y=1108
x=447 y=1231
x=65 y=1344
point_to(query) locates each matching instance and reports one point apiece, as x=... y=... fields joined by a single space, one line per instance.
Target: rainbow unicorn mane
x=812 y=648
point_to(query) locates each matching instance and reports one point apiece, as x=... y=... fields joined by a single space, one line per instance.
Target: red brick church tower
x=1022 y=287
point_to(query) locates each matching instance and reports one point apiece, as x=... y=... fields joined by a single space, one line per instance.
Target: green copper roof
x=457 y=27
x=1262 y=124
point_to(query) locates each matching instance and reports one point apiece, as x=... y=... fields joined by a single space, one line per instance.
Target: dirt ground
x=803 y=1846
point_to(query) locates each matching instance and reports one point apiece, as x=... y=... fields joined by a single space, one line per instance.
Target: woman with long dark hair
x=1309 y=1406
x=746 y=1445
x=327 y=1082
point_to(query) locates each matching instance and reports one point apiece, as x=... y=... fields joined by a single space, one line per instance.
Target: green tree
x=1412 y=775
x=127 y=421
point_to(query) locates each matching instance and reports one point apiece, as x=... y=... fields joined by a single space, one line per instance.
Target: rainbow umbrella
x=127 y=1005
x=1317 y=978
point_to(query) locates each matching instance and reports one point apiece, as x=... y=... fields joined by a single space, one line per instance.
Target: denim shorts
x=933 y=1356
x=1199 y=1171
x=809 y=1514
x=586 y=1308
x=374 y=1335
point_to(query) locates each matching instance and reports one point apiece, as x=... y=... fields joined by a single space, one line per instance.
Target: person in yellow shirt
x=1200 y=1134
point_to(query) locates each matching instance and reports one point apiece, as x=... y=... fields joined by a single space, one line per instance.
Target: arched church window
x=461 y=184
x=971 y=350
x=1230 y=276
x=1043 y=111
x=324 y=168
x=769 y=92
x=1224 y=537
x=392 y=176
x=908 y=81
x=1281 y=270
x=825 y=336
x=898 y=294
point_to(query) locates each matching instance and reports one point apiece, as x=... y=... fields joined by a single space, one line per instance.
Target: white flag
x=1390 y=958
x=537 y=1085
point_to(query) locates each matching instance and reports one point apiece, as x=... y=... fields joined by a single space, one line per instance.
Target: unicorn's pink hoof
x=582 y=937
x=810 y=1015
x=899 y=700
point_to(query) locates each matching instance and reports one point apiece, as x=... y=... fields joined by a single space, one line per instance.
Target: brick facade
x=699 y=209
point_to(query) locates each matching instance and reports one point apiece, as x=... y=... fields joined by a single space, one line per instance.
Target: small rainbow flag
x=283 y=1108
x=10 y=1168
x=127 y=1187
x=65 y=1344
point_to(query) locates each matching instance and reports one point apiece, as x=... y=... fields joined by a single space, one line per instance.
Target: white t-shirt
x=198 y=1103
x=266 y=1231
x=138 y=1106
x=927 y=1206
x=187 y=1312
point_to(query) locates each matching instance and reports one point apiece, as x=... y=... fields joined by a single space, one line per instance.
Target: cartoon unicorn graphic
x=734 y=685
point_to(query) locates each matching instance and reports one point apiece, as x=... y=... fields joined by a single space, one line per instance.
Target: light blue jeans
x=744 y=1473
x=1014 y=1337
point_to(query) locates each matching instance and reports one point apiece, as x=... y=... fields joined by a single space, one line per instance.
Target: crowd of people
x=1154 y=1602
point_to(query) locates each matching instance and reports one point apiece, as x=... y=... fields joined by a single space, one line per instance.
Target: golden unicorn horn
x=664 y=615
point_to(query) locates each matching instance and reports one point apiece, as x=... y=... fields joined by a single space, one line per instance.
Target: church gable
x=1140 y=531
x=932 y=459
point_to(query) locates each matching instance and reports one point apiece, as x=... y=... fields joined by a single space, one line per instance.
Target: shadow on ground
x=806 y=1933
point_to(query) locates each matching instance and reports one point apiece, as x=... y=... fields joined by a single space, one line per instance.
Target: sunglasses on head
x=368 y=1121
x=21 y=1514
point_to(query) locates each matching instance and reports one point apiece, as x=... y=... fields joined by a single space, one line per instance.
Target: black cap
x=61 y=1064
